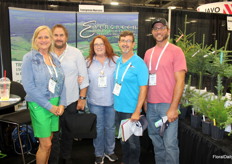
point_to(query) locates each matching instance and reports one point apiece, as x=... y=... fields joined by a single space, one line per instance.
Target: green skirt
x=43 y=121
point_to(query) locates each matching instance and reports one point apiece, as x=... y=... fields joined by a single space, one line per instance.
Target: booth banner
x=229 y=23
x=82 y=27
x=217 y=7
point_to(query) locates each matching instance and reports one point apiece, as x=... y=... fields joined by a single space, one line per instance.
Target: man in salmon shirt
x=167 y=67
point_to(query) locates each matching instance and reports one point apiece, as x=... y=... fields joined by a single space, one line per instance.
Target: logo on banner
x=218 y=7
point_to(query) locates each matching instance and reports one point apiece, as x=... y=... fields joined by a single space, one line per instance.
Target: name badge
x=102 y=81
x=52 y=85
x=117 y=89
x=152 y=79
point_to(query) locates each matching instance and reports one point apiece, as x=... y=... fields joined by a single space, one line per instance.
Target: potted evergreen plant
x=185 y=107
x=218 y=112
x=196 y=115
x=204 y=105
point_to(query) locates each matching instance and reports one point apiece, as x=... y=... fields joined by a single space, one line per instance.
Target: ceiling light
x=193 y=21
x=114 y=3
x=172 y=7
x=54 y=6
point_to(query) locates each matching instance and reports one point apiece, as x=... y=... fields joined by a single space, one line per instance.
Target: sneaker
x=111 y=157
x=99 y=160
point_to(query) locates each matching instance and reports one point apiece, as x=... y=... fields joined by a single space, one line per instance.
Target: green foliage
x=204 y=58
x=218 y=111
x=220 y=63
x=219 y=87
x=199 y=102
x=187 y=94
x=229 y=118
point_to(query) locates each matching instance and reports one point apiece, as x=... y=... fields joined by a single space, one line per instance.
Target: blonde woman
x=43 y=80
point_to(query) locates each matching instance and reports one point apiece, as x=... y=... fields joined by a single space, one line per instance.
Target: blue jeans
x=130 y=148
x=105 y=141
x=166 y=148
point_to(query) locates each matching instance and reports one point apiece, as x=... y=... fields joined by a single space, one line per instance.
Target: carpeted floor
x=83 y=153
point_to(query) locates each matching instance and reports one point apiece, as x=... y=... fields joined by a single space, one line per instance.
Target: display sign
x=217 y=7
x=91 y=8
x=229 y=23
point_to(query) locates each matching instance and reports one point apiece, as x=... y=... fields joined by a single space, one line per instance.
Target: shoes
x=111 y=157
x=99 y=160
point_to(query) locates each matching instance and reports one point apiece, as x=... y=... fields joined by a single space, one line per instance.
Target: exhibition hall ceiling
x=181 y=4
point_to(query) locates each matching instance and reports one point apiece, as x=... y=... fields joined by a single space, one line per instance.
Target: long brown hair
x=109 y=50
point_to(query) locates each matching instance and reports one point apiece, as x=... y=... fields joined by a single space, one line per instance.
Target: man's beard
x=59 y=46
x=164 y=38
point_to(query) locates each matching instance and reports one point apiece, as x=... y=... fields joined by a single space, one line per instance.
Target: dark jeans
x=65 y=147
x=130 y=148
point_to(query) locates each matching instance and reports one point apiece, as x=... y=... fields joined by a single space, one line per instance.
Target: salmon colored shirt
x=172 y=60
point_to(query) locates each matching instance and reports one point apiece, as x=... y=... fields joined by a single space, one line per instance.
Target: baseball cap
x=160 y=20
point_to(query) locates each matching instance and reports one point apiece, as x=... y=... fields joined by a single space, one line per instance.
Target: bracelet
x=82 y=98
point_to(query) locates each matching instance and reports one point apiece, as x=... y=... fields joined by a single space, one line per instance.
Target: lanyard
x=53 y=66
x=123 y=73
x=161 y=54
x=103 y=70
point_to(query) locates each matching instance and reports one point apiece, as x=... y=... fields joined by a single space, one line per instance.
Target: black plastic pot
x=196 y=121
x=206 y=127
x=217 y=133
x=183 y=112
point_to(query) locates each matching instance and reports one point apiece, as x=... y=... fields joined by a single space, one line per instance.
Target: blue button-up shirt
x=102 y=96
x=35 y=79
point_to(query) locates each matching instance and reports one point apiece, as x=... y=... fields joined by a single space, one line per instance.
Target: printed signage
x=91 y=8
x=218 y=7
x=229 y=23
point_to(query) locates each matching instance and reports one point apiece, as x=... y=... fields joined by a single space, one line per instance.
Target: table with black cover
x=8 y=106
x=198 y=148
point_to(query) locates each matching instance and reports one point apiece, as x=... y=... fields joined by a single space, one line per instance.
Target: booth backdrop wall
x=212 y=25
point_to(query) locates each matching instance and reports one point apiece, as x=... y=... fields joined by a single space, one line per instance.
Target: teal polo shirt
x=136 y=76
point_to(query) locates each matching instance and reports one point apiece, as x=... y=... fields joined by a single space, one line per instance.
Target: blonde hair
x=35 y=35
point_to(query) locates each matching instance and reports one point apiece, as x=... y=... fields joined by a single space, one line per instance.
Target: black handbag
x=81 y=124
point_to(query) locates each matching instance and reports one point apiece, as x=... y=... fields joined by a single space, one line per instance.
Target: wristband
x=82 y=98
